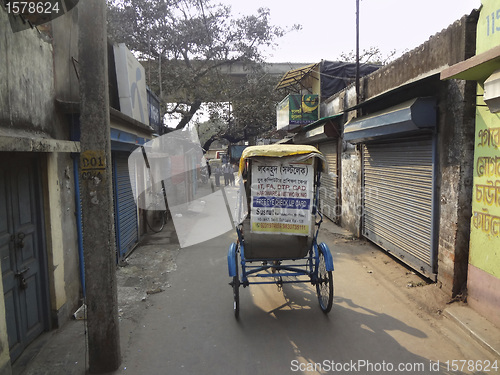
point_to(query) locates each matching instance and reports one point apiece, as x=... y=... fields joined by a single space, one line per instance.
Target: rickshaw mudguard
x=323 y=247
x=231 y=260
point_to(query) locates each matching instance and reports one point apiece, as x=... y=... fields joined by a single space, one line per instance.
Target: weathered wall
x=442 y=50
x=65 y=44
x=28 y=110
x=62 y=244
x=26 y=76
x=456 y=158
x=351 y=183
x=351 y=208
x=67 y=89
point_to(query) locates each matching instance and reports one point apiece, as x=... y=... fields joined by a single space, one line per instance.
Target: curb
x=476 y=326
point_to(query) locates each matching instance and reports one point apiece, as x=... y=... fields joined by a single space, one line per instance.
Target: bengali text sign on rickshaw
x=282 y=197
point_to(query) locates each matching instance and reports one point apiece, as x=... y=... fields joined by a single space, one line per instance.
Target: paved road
x=375 y=324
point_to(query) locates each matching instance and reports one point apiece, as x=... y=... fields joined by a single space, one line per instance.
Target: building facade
x=483 y=281
x=41 y=249
x=405 y=156
x=39 y=241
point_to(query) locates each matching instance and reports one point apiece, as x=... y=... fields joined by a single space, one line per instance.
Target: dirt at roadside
x=145 y=272
x=427 y=296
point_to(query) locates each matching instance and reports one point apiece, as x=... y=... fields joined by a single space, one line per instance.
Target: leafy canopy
x=187 y=46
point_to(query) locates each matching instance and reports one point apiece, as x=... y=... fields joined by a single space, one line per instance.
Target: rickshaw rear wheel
x=324 y=286
x=236 y=291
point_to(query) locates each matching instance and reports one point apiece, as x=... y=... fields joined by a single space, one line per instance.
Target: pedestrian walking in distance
x=225 y=170
x=231 y=174
x=217 y=176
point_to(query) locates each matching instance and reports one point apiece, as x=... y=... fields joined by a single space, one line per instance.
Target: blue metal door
x=22 y=257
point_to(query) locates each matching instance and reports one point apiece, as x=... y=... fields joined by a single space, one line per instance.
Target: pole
x=357 y=53
x=96 y=191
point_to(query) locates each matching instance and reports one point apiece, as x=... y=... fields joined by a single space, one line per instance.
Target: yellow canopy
x=279 y=150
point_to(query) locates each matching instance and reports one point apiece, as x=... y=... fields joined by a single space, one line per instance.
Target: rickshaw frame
x=316 y=267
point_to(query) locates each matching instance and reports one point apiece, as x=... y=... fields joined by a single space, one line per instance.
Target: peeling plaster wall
x=60 y=219
x=25 y=62
x=28 y=111
x=456 y=161
x=65 y=44
x=351 y=191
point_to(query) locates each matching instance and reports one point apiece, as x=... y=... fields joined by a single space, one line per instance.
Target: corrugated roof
x=294 y=77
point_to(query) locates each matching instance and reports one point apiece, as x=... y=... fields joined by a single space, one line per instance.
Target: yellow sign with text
x=92 y=165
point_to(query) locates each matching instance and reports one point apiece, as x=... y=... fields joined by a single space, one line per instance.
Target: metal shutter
x=127 y=233
x=328 y=189
x=398 y=200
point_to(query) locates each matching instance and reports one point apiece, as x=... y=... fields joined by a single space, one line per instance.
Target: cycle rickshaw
x=278 y=222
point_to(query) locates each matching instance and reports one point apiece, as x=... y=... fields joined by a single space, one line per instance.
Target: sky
x=329 y=26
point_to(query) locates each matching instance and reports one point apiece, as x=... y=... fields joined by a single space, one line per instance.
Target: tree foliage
x=372 y=55
x=185 y=45
x=250 y=113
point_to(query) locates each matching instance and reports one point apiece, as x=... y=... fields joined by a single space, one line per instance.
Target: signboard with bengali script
x=296 y=110
x=282 y=196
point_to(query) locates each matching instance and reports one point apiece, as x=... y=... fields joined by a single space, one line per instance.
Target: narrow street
x=385 y=319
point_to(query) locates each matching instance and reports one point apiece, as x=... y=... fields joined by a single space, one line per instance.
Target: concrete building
x=38 y=228
x=41 y=248
x=404 y=156
x=318 y=82
x=483 y=281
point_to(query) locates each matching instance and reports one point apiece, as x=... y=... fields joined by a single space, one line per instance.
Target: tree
x=185 y=45
x=251 y=111
x=372 y=55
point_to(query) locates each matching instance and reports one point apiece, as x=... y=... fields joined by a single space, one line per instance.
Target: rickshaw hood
x=281 y=150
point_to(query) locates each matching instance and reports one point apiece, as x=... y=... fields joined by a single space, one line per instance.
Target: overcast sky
x=329 y=26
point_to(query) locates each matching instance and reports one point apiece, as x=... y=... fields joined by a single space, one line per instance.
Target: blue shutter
x=127 y=233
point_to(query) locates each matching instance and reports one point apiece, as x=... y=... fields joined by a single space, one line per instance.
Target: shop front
x=398 y=180
x=324 y=134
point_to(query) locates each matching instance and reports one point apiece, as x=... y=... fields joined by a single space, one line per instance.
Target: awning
x=293 y=77
x=412 y=117
x=320 y=130
x=477 y=68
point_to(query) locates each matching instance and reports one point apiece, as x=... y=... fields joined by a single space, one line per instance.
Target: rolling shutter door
x=127 y=234
x=398 y=200
x=328 y=189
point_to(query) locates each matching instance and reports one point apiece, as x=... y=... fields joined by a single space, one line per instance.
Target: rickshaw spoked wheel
x=236 y=291
x=324 y=286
